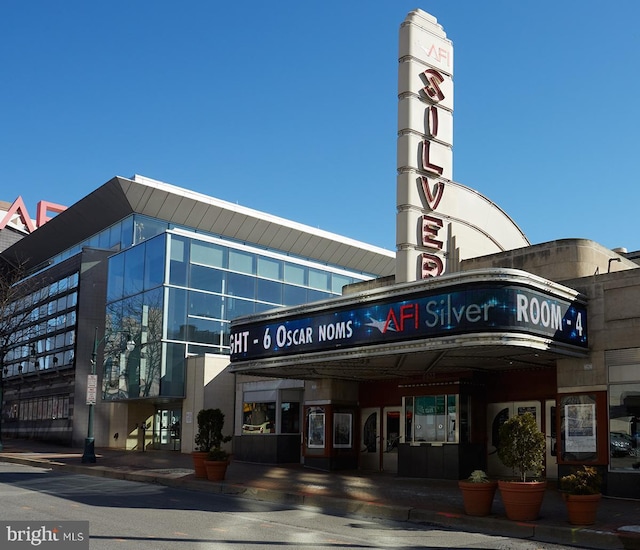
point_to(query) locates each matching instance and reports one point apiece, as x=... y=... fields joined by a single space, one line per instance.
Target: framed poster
x=315 y=436
x=580 y=427
x=342 y=430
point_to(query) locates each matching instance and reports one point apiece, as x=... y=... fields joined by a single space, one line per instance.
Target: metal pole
x=89 y=454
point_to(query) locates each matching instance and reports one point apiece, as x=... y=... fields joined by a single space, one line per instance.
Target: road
x=137 y=516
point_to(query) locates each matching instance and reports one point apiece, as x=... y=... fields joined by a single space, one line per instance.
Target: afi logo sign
x=17 y=214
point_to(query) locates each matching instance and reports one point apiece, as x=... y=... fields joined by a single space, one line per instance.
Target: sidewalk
x=434 y=502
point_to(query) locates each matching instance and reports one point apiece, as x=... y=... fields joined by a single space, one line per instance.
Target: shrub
x=583 y=481
x=522 y=445
x=210 y=424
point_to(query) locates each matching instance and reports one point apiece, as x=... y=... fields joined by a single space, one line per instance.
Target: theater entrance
x=379 y=438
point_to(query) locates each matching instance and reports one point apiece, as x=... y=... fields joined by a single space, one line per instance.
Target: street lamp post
x=89 y=454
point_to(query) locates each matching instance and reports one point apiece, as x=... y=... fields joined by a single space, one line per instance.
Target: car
x=264 y=428
x=621 y=444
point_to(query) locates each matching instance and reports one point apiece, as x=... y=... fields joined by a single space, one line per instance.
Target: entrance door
x=551 y=438
x=498 y=414
x=166 y=429
x=370 y=439
x=391 y=438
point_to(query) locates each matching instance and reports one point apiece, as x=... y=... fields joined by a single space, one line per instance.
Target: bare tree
x=17 y=296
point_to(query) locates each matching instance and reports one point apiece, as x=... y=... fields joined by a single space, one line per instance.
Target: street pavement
x=374 y=495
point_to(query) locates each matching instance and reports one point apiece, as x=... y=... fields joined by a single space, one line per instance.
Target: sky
x=290 y=107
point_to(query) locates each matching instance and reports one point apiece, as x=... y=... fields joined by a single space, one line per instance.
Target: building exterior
x=415 y=373
x=15 y=221
x=324 y=350
x=418 y=377
x=163 y=269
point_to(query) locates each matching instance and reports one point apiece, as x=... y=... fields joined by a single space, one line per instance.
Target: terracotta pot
x=216 y=469
x=478 y=497
x=198 y=463
x=522 y=500
x=582 y=509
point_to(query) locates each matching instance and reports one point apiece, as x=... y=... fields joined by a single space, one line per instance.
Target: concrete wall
x=209 y=385
x=613 y=324
x=557 y=260
x=330 y=391
x=92 y=291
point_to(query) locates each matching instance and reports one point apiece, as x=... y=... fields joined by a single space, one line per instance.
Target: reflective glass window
x=241 y=261
x=201 y=349
x=94 y=241
x=103 y=240
x=318 y=279
x=179 y=261
x=126 y=236
x=294 y=295
x=431 y=418
x=133 y=270
x=338 y=282
x=290 y=417
x=69 y=337
x=624 y=427
x=205 y=331
x=226 y=329
x=294 y=274
x=317 y=295
x=205 y=305
x=115 y=232
x=258 y=418
x=241 y=285
x=269 y=268
x=154 y=262
x=269 y=291
x=260 y=307
x=236 y=307
x=177 y=314
x=146 y=228
x=207 y=278
x=152 y=312
x=172 y=383
x=209 y=254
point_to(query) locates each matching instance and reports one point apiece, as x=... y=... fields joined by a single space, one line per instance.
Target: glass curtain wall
x=209 y=282
x=46 y=341
x=134 y=313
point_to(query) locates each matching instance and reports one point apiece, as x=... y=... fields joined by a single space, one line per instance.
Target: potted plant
x=477 y=493
x=522 y=448
x=203 y=444
x=581 y=493
x=217 y=458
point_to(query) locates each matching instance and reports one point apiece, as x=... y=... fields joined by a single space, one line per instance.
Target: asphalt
x=372 y=495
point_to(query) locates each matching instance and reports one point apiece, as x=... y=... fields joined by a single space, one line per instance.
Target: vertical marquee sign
x=425 y=141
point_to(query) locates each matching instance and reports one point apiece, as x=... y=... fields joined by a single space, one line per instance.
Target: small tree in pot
x=522 y=448
x=208 y=438
x=211 y=438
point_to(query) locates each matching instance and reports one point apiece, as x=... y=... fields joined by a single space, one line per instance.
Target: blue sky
x=290 y=106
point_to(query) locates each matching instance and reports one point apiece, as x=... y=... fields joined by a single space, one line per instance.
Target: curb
x=584 y=537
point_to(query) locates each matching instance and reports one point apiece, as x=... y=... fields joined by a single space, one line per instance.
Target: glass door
x=166 y=429
x=370 y=439
x=391 y=437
